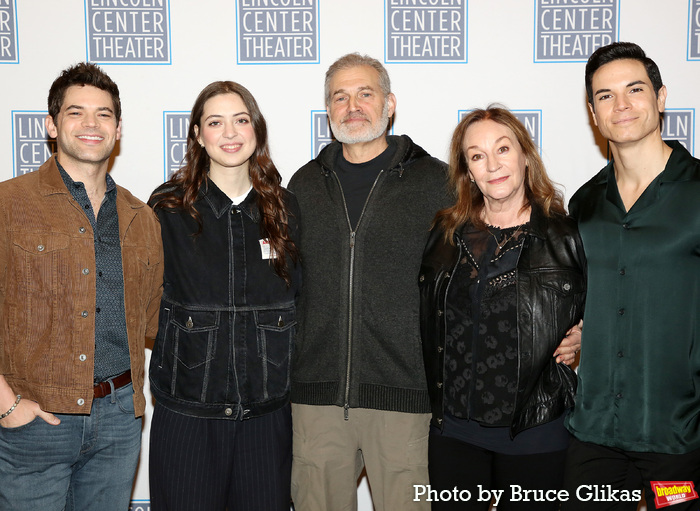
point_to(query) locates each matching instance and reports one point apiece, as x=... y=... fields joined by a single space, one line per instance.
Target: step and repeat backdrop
x=444 y=57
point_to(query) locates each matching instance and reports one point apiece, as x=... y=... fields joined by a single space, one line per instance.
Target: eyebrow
x=497 y=141
x=80 y=107
x=342 y=91
x=631 y=84
x=221 y=115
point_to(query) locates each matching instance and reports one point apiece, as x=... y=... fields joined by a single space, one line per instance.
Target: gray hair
x=355 y=60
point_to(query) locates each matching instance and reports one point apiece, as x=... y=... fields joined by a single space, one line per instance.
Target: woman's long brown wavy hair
x=264 y=176
x=539 y=189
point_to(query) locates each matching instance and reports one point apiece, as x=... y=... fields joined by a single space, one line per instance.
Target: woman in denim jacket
x=221 y=431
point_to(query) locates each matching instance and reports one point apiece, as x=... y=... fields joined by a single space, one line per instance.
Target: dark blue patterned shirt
x=111 y=343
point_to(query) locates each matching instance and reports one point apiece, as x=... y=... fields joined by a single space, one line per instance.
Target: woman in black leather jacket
x=502 y=282
x=221 y=432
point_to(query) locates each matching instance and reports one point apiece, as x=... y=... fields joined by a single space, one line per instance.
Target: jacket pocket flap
x=565 y=284
x=276 y=319
x=194 y=321
x=40 y=243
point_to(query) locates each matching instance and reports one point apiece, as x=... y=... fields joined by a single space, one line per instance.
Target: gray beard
x=373 y=132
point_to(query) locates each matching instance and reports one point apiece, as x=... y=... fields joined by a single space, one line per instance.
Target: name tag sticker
x=265 y=251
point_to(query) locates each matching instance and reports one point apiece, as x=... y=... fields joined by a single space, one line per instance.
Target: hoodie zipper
x=351 y=276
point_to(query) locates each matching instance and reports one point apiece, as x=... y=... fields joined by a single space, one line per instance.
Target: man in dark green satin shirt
x=637 y=414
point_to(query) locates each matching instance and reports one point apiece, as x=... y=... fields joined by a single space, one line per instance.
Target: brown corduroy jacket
x=47 y=290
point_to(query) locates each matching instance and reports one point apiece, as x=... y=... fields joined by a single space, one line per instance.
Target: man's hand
x=25 y=412
x=570 y=345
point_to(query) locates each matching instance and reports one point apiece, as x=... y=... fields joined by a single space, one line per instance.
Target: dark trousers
x=453 y=463
x=213 y=464
x=607 y=468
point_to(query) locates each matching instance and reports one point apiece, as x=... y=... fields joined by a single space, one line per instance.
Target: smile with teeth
x=231 y=147
x=90 y=137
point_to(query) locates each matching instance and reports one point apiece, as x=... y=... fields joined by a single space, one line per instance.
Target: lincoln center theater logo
x=425 y=31
x=694 y=30
x=321 y=134
x=531 y=119
x=128 y=31
x=570 y=30
x=32 y=146
x=175 y=127
x=8 y=32
x=678 y=125
x=277 y=31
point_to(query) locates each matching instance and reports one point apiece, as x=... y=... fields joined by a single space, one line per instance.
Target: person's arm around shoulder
x=571 y=344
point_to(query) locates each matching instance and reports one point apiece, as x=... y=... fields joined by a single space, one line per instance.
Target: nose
x=90 y=119
x=492 y=164
x=621 y=102
x=229 y=130
x=353 y=104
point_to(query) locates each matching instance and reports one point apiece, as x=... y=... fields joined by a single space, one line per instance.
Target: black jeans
x=456 y=464
x=595 y=471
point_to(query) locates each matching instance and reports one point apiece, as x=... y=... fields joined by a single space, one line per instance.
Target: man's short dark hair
x=617 y=51
x=84 y=73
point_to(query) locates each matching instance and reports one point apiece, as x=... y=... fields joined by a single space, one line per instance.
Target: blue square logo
x=133 y=32
x=679 y=124
x=425 y=31
x=694 y=30
x=531 y=119
x=570 y=30
x=277 y=31
x=175 y=128
x=31 y=143
x=8 y=32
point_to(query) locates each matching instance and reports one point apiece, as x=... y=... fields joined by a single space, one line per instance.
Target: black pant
x=591 y=467
x=453 y=463
x=212 y=464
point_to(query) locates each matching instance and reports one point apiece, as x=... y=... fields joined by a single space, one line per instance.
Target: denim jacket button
x=40 y=248
x=228 y=412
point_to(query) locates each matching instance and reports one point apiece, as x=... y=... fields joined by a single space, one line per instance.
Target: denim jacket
x=227 y=320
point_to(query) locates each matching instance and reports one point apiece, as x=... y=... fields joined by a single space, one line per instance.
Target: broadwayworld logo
x=570 y=30
x=425 y=31
x=8 y=32
x=668 y=493
x=128 y=31
x=175 y=128
x=277 y=31
x=31 y=144
x=531 y=119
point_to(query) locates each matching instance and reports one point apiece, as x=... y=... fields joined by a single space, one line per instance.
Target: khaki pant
x=330 y=452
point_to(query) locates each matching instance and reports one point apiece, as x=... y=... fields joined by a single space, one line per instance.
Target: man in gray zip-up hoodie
x=358 y=385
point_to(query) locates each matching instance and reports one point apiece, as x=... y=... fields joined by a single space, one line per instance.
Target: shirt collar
x=220 y=203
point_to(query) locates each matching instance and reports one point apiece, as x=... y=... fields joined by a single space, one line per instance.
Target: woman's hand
x=570 y=345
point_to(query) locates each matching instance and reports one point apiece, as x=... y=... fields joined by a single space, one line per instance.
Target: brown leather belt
x=103 y=388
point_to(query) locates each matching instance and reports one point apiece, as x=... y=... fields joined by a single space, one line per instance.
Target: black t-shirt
x=357 y=179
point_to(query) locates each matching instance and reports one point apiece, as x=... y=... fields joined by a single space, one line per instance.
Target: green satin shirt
x=639 y=375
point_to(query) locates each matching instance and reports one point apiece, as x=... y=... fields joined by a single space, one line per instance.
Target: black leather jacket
x=551 y=289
